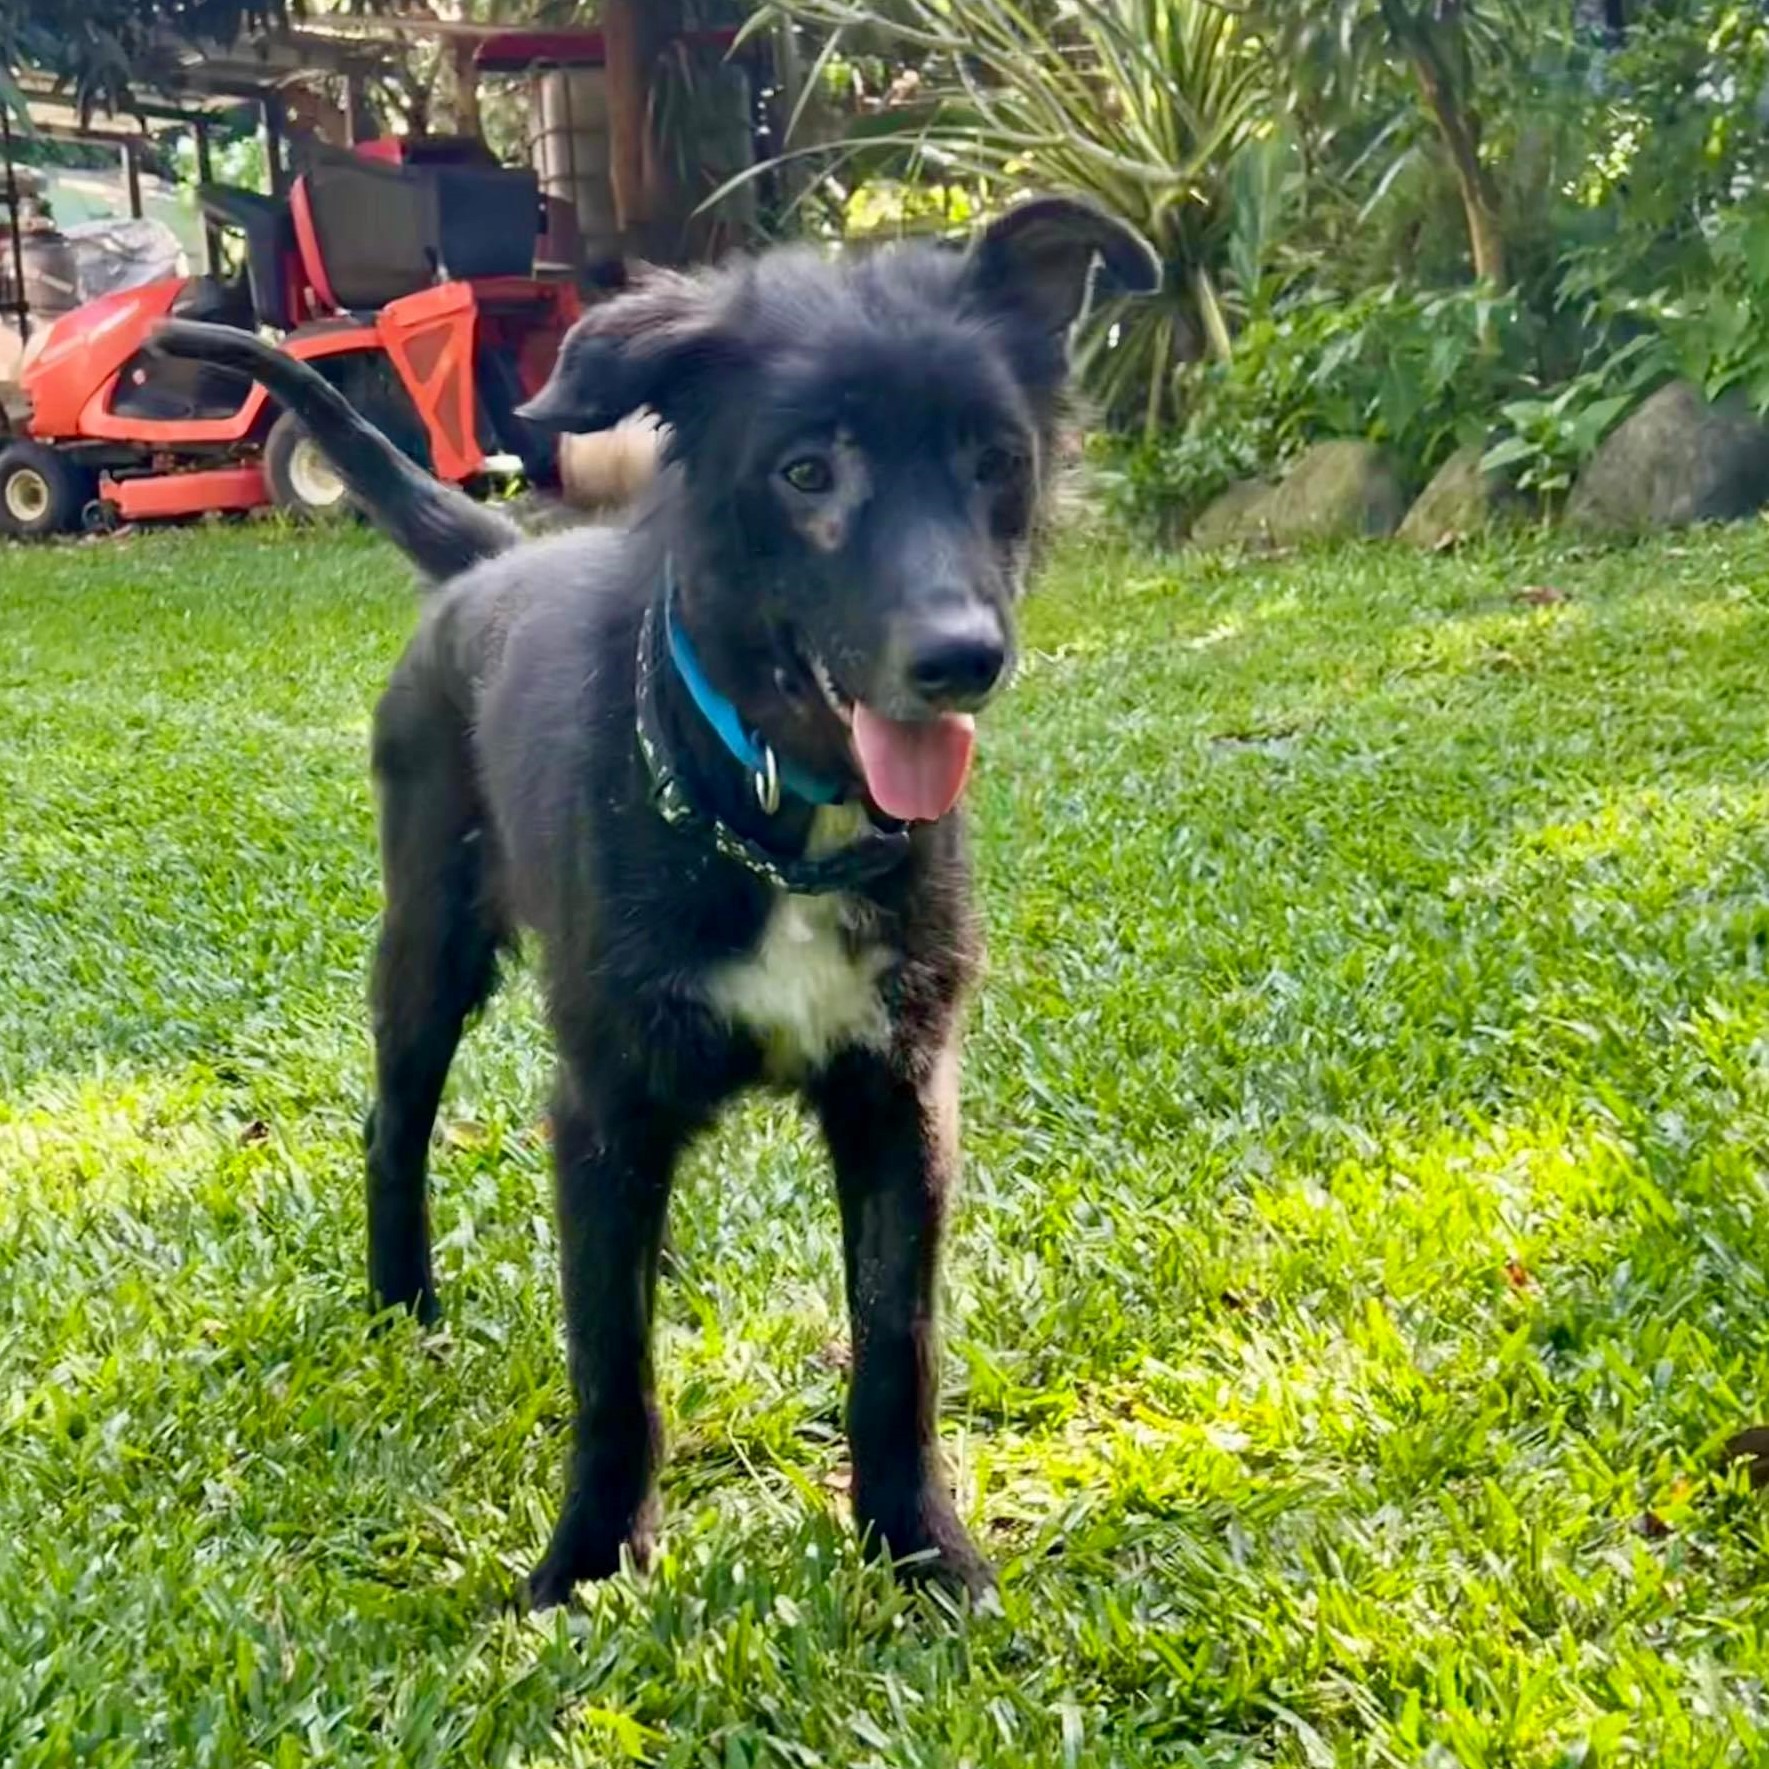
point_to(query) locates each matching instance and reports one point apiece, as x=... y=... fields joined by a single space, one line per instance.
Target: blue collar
x=758 y=757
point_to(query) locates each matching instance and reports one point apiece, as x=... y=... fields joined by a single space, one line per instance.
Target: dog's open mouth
x=914 y=769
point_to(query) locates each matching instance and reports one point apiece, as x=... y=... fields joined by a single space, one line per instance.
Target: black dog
x=712 y=760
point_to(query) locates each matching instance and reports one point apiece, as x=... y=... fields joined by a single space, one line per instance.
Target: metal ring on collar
x=767 y=782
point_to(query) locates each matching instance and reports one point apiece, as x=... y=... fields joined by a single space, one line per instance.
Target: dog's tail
x=438 y=527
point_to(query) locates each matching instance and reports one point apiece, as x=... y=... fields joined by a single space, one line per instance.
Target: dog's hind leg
x=895 y=1147
x=435 y=964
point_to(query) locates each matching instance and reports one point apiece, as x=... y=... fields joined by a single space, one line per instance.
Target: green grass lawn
x=1360 y=1262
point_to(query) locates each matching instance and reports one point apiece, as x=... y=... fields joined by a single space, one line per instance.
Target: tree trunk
x=1217 y=335
x=1459 y=126
x=1480 y=204
x=365 y=125
x=628 y=65
x=651 y=204
x=467 y=121
x=311 y=111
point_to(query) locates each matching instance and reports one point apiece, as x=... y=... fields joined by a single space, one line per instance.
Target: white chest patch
x=811 y=985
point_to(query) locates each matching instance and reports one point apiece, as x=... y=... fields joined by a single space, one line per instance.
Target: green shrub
x=1717 y=330
x=1420 y=373
x=1542 y=441
x=1160 y=483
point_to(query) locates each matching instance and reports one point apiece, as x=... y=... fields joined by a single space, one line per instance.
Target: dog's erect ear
x=642 y=349
x=1041 y=255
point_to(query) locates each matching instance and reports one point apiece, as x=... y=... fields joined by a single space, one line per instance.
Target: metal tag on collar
x=766 y=779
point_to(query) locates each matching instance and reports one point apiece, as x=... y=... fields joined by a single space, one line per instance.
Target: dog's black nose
x=957 y=665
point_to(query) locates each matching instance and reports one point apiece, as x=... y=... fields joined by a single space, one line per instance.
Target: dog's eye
x=811 y=474
x=996 y=466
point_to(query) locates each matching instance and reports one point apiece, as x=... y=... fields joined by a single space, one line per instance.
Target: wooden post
x=467 y=120
x=275 y=129
x=16 y=228
x=206 y=175
x=625 y=41
x=132 y=175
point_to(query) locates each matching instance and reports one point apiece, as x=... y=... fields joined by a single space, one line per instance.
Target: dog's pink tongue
x=914 y=772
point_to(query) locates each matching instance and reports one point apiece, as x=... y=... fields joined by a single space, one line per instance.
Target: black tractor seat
x=269 y=234
x=214 y=302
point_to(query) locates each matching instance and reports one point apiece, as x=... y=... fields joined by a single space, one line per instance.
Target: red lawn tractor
x=404 y=272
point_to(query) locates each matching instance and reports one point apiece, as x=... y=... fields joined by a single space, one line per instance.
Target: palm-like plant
x=1153 y=108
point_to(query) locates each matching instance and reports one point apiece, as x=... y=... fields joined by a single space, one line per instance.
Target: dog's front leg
x=613 y=1157
x=895 y=1146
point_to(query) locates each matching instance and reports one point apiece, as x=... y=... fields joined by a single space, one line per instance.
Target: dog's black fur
x=926 y=383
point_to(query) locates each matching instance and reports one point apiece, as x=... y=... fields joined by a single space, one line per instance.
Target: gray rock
x=1680 y=458
x=1236 y=517
x=1337 y=491
x=1461 y=501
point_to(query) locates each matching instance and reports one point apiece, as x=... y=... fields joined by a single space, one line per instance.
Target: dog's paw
x=928 y=1545
x=1750 y=1446
x=552 y=1582
x=956 y=1567
x=545 y=1588
x=420 y=1304
x=581 y=1553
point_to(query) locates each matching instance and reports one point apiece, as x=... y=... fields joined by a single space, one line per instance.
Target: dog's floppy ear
x=1041 y=255
x=644 y=348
